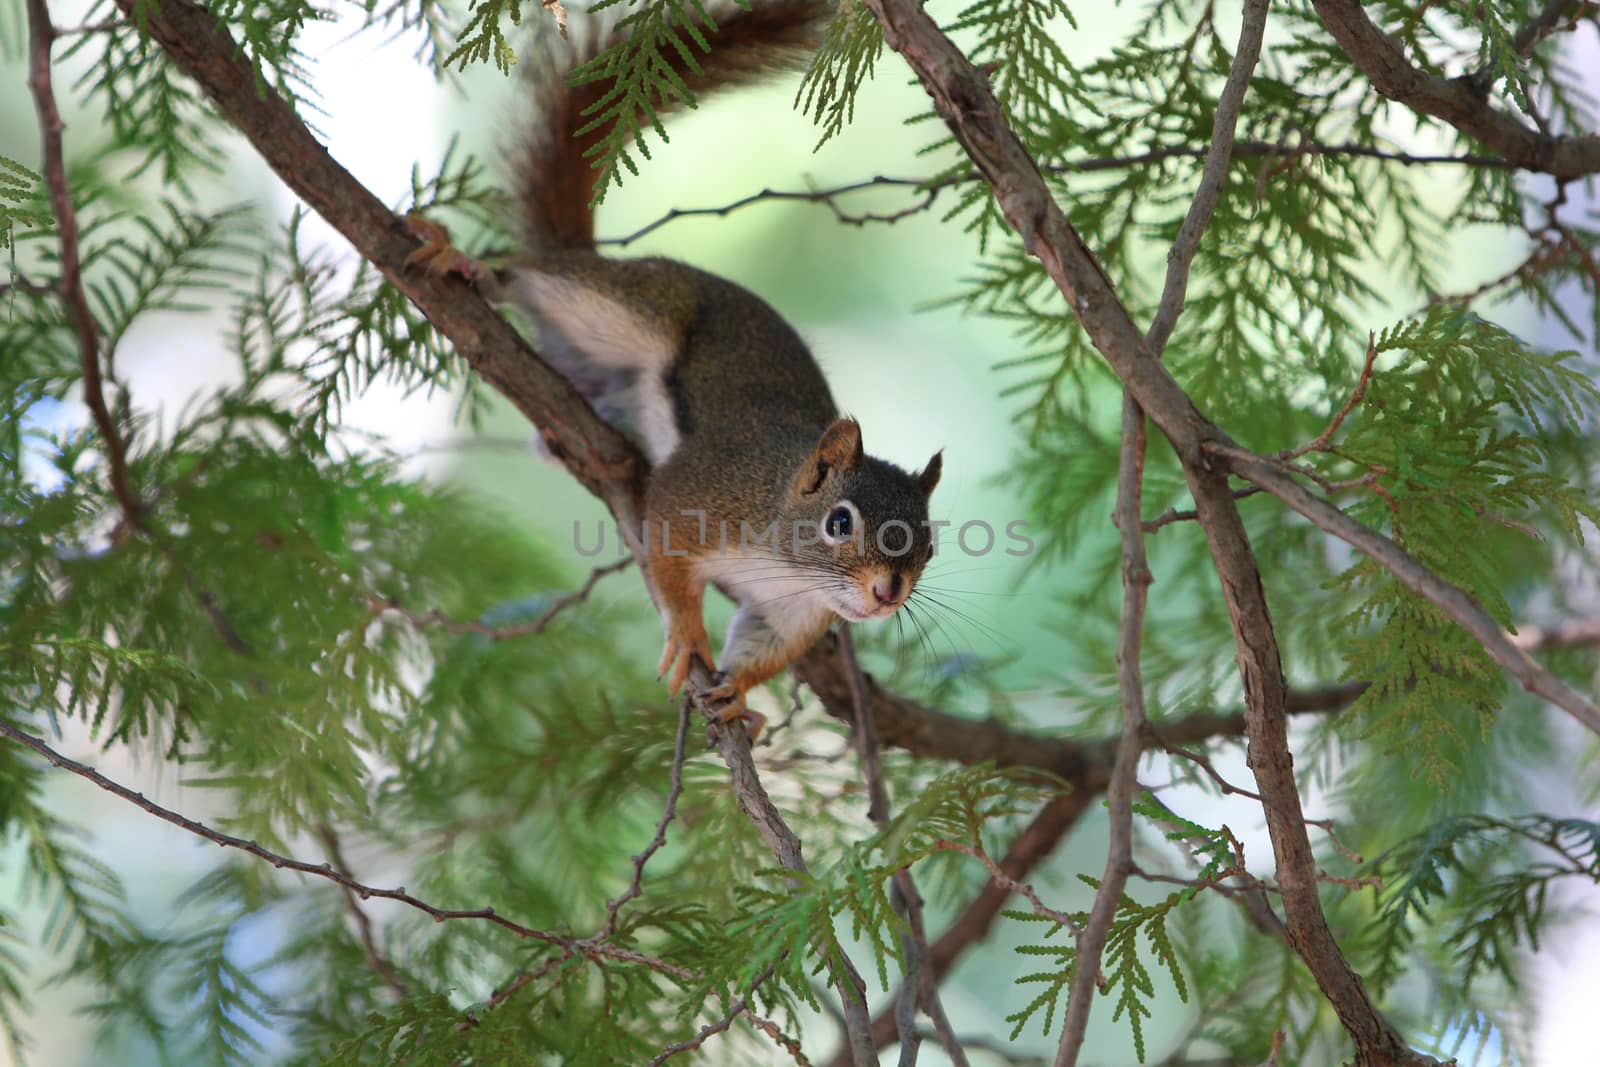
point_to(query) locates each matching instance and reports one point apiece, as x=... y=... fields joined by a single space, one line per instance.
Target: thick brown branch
x=1455 y=100
x=927 y=732
x=597 y=455
x=1569 y=633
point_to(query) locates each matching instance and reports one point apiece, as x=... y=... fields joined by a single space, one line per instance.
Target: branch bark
x=918 y=986
x=599 y=457
x=1455 y=100
x=1030 y=848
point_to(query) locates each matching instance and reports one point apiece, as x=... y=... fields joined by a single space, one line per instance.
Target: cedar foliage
x=242 y=630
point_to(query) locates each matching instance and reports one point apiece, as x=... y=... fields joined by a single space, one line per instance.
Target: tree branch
x=1455 y=100
x=597 y=455
x=930 y=188
x=380 y=605
x=41 y=37
x=733 y=742
x=1136 y=578
x=1448 y=598
x=918 y=985
x=612 y=469
x=931 y=733
x=964 y=100
x=1030 y=848
x=1010 y=884
x=380 y=963
x=1212 y=176
x=590 y=948
x=668 y=812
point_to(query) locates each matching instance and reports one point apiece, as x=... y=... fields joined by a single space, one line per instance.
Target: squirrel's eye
x=838 y=525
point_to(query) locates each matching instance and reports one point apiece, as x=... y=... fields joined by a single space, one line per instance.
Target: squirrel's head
x=861 y=523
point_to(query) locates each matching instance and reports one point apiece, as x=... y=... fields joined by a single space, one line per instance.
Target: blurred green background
x=917 y=379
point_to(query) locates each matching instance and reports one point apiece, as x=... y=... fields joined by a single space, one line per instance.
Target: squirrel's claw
x=736 y=710
x=436 y=255
x=677 y=658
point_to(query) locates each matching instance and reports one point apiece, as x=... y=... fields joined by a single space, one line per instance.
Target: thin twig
x=795 y=705
x=1172 y=515
x=380 y=606
x=522 y=978
x=930 y=188
x=1031 y=847
x=740 y=1007
x=669 y=811
x=705 y=1033
x=103 y=26
x=590 y=949
x=635 y=887
x=1091 y=940
x=1200 y=760
x=369 y=943
x=41 y=36
x=1448 y=598
x=917 y=985
x=1252 y=896
x=1321 y=442
x=1001 y=878
x=779 y=1037
x=25 y=285
x=1212 y=176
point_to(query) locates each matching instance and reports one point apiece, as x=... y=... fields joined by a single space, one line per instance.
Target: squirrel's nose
x=886 y=588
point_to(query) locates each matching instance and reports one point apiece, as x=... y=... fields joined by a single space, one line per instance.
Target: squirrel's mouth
x=852 y=613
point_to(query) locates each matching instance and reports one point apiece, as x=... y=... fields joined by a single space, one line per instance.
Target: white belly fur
x=792 y=600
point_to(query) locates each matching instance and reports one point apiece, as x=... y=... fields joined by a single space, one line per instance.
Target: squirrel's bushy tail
x=554 y=175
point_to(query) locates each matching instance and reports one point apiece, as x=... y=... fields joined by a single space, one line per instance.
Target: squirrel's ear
x=839 y=448
x=930 y=474
x=840 y=444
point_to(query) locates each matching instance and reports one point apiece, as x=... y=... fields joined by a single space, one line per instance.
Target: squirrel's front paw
x=436 y=255
x=683 y=645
